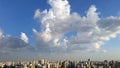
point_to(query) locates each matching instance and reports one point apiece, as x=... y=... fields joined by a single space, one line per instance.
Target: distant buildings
x=64 y=64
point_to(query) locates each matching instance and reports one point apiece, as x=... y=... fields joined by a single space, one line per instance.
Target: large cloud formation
x=64 y=30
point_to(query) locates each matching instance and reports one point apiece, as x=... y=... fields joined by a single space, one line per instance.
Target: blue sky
x=21 y=19
x=104 y=7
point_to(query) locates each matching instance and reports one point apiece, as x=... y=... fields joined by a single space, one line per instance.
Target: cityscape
x=61 y=64
x=59 y=33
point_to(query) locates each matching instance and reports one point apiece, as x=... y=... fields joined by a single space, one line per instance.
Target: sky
x=59 y=29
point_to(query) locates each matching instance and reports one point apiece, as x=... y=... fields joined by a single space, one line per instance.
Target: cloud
x=24 y=37
x=98 y=51
x=12 y=48
x=65 y=30
x=110 y=27
x=9 y=44
x=1 y=34
x=37 y=13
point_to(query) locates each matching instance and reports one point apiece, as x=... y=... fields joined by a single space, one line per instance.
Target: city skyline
x=59 y=29
x=61 y=64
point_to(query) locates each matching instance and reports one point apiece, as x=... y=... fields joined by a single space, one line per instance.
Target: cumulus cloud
x=9 y=44
x=24 y=37
x=65 y=30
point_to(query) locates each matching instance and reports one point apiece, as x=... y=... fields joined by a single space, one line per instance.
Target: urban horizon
x=61 y=64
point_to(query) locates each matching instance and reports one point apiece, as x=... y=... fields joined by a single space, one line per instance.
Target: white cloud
x=1 y=33
x=58 y=22
x=24 y=37
x=37 y=13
